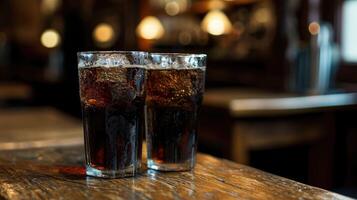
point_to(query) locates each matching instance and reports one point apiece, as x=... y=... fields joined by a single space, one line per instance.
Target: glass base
x=186 y=166
x=127 y=172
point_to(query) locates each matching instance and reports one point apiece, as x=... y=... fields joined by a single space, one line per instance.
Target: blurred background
x=281 y=76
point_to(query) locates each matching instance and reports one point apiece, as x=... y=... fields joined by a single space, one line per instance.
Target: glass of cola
x=112 y=95
x=174 y=89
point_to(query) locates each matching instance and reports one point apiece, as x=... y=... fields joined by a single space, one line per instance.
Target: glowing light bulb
x=150 y=28
x=172 y=8
x=216 y=23
x=50 y=38
x=103 y=33
x=314 y=28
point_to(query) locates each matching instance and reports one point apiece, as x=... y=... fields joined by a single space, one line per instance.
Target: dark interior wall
x=78 y=27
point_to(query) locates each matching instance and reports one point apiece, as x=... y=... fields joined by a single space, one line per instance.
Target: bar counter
x=41 y=157
x=58 y=173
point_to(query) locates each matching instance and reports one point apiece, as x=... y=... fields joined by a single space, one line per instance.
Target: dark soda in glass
x=174 y=98
x=112 y=101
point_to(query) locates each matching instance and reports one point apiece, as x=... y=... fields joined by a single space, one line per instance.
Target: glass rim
x=109 y=52
x=198 y=55
x=149 y=60
x=87 y=59
x=176 y=61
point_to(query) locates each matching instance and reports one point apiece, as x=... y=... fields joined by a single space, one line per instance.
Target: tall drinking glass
x=175 y=86
x=112 y=96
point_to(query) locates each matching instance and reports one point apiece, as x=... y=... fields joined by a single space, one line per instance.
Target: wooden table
x=251 y=103
x=23 y=128
x=236 y=122
x=58 y=173
x=246 y=117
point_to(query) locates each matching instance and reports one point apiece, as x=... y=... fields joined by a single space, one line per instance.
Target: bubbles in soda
x=174 y=97
x=113 y=105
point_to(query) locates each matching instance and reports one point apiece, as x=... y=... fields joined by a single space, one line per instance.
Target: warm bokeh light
x=50 y=38
x=50 y=6
x=103 y=33
x=216 y=23
x=314 y=28
x=172 y=8
x=150 y=28
x=262 y=15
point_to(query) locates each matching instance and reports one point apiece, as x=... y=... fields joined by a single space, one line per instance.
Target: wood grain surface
x=256 y=103
x=58 y=173
x=23 y=128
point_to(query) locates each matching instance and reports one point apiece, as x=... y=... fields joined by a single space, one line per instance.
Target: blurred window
x=349 y=31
